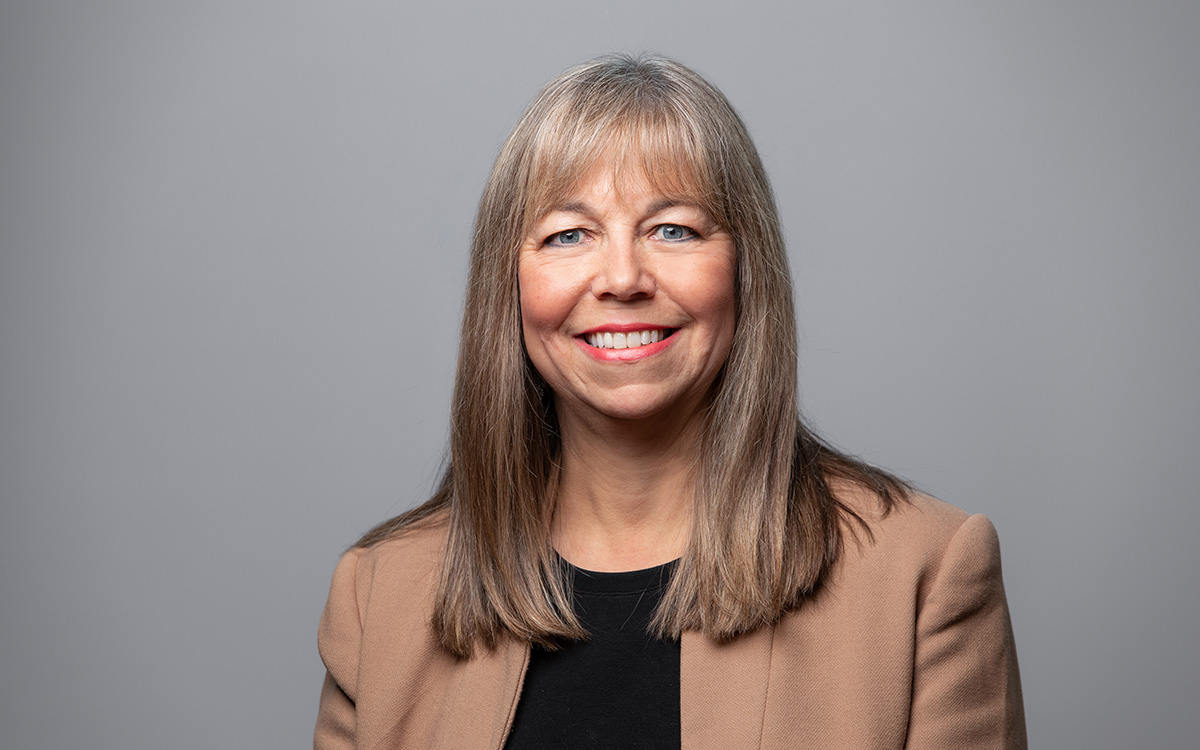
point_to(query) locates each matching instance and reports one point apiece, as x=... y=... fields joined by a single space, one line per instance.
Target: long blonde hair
x=767 y=525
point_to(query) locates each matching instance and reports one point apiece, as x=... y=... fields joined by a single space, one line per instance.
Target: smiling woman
x=636 y=532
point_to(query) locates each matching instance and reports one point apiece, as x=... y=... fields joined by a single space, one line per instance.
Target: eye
x=566 y=237
x=673 y=232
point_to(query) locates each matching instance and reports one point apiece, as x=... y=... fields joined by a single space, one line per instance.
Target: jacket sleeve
x=338 y=639
x=966 y=687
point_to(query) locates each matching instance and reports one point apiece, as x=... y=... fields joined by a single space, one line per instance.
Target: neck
x=626 y=490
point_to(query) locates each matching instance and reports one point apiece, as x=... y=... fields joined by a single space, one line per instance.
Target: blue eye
x=674 y=232
x=567 y=237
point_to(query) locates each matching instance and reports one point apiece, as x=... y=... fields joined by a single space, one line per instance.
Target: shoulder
x=919 y=529
x=405 y=568
x=909 y=635
x=920 y=568
x=925 y=591
x=411 y=553
x=376 y=641
x=920 y=548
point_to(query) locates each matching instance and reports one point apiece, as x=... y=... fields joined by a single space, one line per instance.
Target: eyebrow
x=664 y=203
x=571 y=207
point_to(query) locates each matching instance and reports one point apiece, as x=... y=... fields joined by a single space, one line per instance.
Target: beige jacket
x=907 y=646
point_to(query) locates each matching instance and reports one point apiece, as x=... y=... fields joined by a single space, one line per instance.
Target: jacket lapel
x=723 y=693
x=723 y=689
x=479 y=709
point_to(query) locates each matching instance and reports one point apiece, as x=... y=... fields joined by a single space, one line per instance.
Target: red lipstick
x=626 y=355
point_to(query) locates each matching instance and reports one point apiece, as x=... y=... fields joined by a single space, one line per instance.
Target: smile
x=628 y=340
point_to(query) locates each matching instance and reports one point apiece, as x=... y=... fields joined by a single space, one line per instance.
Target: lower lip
x=625 y=355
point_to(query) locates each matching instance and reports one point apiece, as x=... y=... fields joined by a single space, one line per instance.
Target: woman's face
x=627 y=299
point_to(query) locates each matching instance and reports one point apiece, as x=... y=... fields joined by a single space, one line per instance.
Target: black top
x=620 y=689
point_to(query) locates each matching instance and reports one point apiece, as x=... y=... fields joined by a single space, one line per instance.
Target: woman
x=637 y=542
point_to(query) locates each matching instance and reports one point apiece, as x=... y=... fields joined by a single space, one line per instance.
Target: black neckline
x=623 y=582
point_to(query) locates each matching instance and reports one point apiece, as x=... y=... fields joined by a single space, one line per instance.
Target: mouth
x=626 y=339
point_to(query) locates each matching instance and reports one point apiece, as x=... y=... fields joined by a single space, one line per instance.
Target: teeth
x=630 y=340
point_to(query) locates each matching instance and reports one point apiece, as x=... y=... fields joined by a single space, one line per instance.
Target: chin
x=631 y=413
x=638 y=404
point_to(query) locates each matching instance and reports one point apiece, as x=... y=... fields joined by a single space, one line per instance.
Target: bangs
x=641 y=138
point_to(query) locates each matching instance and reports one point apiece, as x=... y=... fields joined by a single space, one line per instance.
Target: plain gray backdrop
x=234 y=243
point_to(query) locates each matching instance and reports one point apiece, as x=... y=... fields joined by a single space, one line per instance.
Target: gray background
x=233 y=245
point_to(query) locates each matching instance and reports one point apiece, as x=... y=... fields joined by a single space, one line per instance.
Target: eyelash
x=691 y=234
x=551 y=239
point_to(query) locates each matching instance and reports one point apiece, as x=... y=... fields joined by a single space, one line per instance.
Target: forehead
x=628 y=157
x=627 y=184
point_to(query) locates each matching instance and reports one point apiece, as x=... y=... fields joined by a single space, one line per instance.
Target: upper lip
x=626 y=328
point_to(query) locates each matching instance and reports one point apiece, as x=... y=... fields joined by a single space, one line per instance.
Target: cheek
x=537 y=308
x=546 y=302
x=549 y=292
x=724 y=312
x=545 y=306
x=712 y=291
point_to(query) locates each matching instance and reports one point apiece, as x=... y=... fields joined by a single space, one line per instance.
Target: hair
x=767 y=525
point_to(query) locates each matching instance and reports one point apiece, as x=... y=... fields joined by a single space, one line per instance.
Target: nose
x=623 y=271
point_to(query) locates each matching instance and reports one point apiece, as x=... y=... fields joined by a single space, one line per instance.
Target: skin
x=605 y=256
